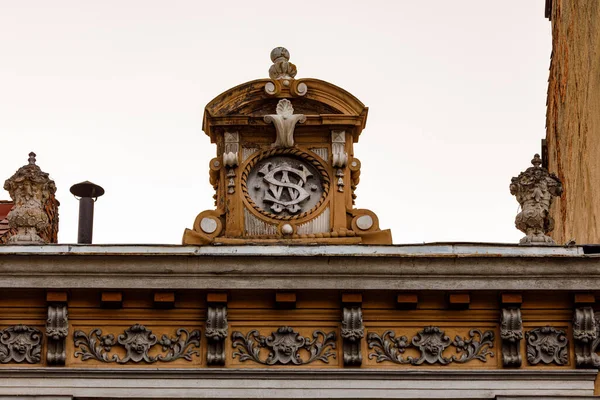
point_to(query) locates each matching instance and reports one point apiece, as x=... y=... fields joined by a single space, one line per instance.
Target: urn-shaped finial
x=30 y=188
x=535 y=189
x=282 y=68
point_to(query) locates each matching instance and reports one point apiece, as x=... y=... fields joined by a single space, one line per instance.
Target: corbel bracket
x=57 y=328
x=216 y=328
x=353 y=329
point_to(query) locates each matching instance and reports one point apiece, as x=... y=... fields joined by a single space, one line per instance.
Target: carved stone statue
x=30 y=189
x=534 y=190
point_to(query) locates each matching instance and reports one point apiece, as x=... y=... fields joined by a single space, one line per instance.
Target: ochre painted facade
x=573 y=118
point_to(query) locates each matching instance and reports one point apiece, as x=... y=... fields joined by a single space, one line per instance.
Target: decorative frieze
x=586 y=337
x=352 y=333
x=216 y=333
x=286 y=346
x=547 y=345
x=57 y=329
x=431 y=342
x=137 y=341
x=511 y=333
x=20 y=344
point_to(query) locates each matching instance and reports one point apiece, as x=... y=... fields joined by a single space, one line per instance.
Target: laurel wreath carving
x=285 y=152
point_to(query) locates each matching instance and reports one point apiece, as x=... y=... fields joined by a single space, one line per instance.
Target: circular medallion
x=285 y=184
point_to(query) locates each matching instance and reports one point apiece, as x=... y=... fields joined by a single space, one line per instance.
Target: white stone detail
x=364 y=222
x=285 y=122
x=321 y=224
x=322 y=152
x=256 y=227
x=208 y=225
x=287 y=229
x=247 y=152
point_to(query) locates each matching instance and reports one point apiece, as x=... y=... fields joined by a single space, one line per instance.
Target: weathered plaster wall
x=573 y=118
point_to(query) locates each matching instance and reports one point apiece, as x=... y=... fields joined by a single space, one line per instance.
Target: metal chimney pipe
x=88 y=193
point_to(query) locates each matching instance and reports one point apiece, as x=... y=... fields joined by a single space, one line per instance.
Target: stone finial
x=30 y=189
x=281 y=68
x=535 y=189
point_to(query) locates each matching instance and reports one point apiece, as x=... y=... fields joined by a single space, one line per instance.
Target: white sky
x=114 y=91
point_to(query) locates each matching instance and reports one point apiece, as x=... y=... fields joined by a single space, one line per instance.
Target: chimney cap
x=87 y=189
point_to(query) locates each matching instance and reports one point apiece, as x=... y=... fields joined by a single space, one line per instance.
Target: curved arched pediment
x=250 y=99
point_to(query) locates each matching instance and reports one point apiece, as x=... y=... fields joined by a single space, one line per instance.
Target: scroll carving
x=285 y=346
x=547 y=345
x=586 y=336
x=339 y=156
x=216 y=332
x=285 y=122
x=20 y=344
x=352 y=333
x=511 y=333
x=431 y=342
x=534 y=190
x=137 y=342
x=57 y=329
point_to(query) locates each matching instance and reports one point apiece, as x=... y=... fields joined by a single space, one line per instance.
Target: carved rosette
x=352 y=333
x=216 y=333
x=547 y=345
x=57 y=329
x=285 y=347
x=137 y=341
x=431 y=342
x=535 y=189
x=30 y=189
x=20 y=344
x=586 y=337
x=511 y=333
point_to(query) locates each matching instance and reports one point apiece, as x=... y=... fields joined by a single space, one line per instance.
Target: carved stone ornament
x=285 y=183
x=282 y=68
x=431 y=343
x=284 y=346
x=30 y=189
x=20 y=343
x=352 y=333
x=534 y=190
x=511 y=333
x=547 y=345
x=57 y=329
x=285 y=122
x=137 y=342
x=216 y=333
x=586 y=335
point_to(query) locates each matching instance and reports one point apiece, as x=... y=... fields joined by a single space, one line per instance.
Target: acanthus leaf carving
x=57 y=329
x=284 y=346
x=431 y=342
x=285 y=123
x=137 y=342
x=511 y=333
x=216 y=333
x=352 y=333
x=20 y=343
x=547 y=345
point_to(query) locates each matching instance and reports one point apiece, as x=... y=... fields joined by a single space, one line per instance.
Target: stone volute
x=30 y=188
x=285 y=170
x=535 y=189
